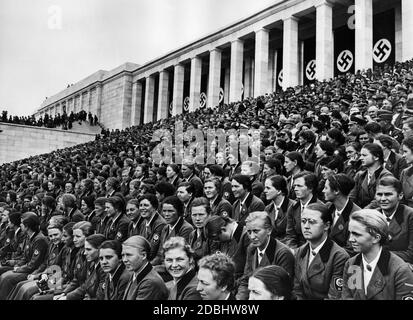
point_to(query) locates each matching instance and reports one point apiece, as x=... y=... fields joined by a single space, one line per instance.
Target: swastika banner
x=278 y=77
x=384 y=38
x=309 y=66
x=344 y=39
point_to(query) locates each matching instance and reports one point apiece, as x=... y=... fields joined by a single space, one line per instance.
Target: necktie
x=368 y=178
x=260 y=255
x=388 y=219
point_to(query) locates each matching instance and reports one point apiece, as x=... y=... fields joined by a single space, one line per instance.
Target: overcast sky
x=47 y=44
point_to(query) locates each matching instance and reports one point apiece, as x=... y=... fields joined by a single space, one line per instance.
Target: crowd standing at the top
x=65 y=121
x=324 y=213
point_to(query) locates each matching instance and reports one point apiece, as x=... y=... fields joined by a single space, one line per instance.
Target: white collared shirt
x=147 y=224
x=366 y=273
x=245 y=199
x=172 y=228
x=314 y=252
x=303 y=206
x=277 y=209
x=338 y=213
x=235 y=228
x=262 y=252
x=388 y=219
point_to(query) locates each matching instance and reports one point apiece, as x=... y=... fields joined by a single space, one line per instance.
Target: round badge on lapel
x=155 y=237
x=340 y=227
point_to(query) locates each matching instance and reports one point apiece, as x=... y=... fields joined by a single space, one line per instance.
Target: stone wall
x=19 y=142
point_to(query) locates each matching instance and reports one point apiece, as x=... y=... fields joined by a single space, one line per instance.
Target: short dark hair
x=297 y=157
x=243 y=180
x=115 y=245
x=375 y=150
x=165 y=188
x=153 y=200
x=341 y=183
x=310 y=180
x=326 y=216
x=117 y=203
x=279 y=183
x=176 y=203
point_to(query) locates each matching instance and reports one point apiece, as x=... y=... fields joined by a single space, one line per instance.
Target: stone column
x=364 y=34
x=399 y=32
x=80 y=101
x=274 y=71
x=99 y=102
x=163 y=103
x=290 y=53
x=178 y=94
x=89 y=102
x=248 y=77
x=237 y=55
x=261 y=62
x=136 y=103
x=227 y=74
x=195 y=83
x=407 y=28
x=215 y=57
x=149 y=99
x=324 y=42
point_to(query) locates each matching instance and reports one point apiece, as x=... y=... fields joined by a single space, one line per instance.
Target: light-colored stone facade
x=260 y=53
x=19 y=142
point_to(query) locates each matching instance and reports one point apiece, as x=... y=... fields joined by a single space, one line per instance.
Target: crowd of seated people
x=300 y=194
x=65 y=121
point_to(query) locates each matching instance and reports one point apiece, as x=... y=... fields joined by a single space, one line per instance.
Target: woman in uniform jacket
x=293 y=164
x=117 y=277
x=81 y=231
x=399 y=217
x=179 y=262
x=319 y=263
x=276 y=191
x=391 y=277
x=26 y=289
x=406 y=177
x=173 y=175
x=200 y=212
x=151 y=223
x=92 y=287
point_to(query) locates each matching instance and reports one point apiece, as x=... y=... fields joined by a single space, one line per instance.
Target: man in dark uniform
x=320 y=262
x=246 y=202
x=263 y=250
x=100 y=212
x=336 y=191
x=35 y=252
x=144 y=282
x=117 y=225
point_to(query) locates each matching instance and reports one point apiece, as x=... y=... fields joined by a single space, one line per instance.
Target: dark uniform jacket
x=231 y=171
x=148 y=285
x=294 y=237
x=363 y=194
x=101 y=226
x=227 y=192
x=199 y=244
x=185 y=289
x=14 y=244
x=79 y=273
x=406 y=178
x=392 y=279
x=35 y=253
x=323 y=278
x=67 y=261
x=276 y=253
x=279 y=226
x=236 y=248
x=92 y=287
x=396 y=164
x=153 y=233
x=339 y=232
x=117 y=228
x=75 y=215
x=401 y=233
x=221 y=207
x=251 y=204
x=197 y=183
x=115 y=289
x=51 y=257
x=93 y=219
x=182 y=229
